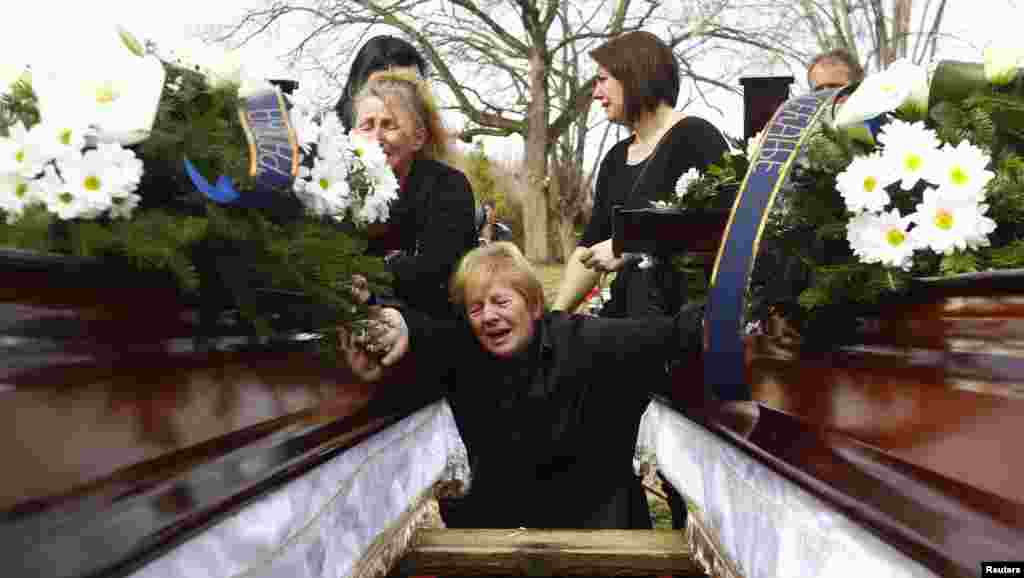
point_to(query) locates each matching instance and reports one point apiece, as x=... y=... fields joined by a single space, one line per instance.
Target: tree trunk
x=567 y=235
x=535 y=204
x=901 y=27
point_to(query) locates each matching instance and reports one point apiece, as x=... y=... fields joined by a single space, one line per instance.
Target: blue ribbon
x=785 y=135
x=273 y=154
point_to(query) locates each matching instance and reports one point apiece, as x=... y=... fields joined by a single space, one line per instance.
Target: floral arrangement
x=350 y=178
x=919 y=175
x=92 y=152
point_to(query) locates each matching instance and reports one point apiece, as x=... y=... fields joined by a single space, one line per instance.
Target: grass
x=550 y=277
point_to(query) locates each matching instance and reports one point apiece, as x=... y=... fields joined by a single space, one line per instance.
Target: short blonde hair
x=499 y=260
x=412 y=95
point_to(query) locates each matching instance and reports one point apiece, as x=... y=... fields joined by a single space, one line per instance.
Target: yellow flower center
x=888 y=88
x=65 y=137
x=913 y=162
x=106 y=94
x=65 y=198
x=944 y=219
x=870 y=183
x=92 y=183
x=20 y=156
x=325 y=184
x=959 y=176
x=20 y=190
x=895 y=237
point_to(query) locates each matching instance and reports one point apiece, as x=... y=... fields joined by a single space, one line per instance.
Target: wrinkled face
x=608 y=93
x=395 y=130
x=828 y=74
x=501 y=319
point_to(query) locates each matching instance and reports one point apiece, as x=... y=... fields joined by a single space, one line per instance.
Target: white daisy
x=20 y=152
x=329 y=182
x=882 y=238
x=961 y=172
x=59 y=198
x=685 y=180
x=863 y=183
x=18 y=193
x=911 y=149
x=93 y=180
x=945 y=225
x=58 y=139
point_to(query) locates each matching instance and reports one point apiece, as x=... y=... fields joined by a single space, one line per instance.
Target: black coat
x=551 y=436
x=433 y=225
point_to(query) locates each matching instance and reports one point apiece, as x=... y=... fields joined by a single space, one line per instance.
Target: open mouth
x=497 y=337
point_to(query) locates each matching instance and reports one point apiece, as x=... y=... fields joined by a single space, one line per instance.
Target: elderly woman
x=432 y=223
x=637 y=85
x=548 y=404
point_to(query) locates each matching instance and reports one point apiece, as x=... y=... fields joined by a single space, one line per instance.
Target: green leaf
x=130 y=42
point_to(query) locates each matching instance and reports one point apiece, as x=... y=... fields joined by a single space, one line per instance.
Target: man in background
x=833 y=69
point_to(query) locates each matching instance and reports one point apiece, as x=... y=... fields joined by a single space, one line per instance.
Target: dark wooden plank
x=523 y=552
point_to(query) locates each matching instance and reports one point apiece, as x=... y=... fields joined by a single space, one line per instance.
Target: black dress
x=551 y=435
x=691 y=143
x=433 y=225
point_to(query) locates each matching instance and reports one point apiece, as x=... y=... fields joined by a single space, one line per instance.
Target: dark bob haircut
x=647 y=69
x=379 y=53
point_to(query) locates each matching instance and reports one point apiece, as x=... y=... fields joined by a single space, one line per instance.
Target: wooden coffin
x=129 y=422
x=911 y=430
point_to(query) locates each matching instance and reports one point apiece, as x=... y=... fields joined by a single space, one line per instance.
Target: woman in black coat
x=548 y=404
x=432 y=224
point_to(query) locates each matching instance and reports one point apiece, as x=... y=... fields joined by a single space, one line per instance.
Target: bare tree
x=876 y=32
x=519 y=61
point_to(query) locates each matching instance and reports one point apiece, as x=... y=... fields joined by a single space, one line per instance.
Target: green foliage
x=481 y=176
x=824 y=287
x=200 y=123
x=278 y=275
x=18 y=105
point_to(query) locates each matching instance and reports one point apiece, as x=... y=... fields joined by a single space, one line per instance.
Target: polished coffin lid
x=911 y=429
x=128 y=423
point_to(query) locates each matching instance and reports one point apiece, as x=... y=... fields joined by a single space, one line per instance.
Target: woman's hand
x=601 y=259
x=383 y=342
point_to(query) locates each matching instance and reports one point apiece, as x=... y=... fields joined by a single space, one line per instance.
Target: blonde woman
x=432 y=223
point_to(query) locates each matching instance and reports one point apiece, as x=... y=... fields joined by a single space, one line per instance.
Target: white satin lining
x=766 y=526
x=323 y=523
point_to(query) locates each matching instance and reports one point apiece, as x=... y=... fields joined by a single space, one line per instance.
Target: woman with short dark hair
x=380 y=53
x=637 y=84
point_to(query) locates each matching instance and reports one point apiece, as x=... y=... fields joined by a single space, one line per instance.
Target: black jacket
x=433 y=221
x=551 y=436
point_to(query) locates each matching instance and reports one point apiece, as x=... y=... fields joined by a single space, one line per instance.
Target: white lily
x=1002 y=63
x=902 y=84
x=105 y=85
